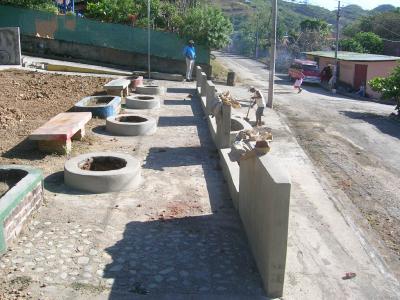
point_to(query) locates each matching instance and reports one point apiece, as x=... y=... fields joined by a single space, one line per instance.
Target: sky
x=366 y=4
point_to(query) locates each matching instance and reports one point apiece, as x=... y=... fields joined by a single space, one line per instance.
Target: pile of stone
x=10 y=116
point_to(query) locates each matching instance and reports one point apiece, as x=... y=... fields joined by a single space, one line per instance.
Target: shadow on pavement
x=183 y=254
x=385 y=123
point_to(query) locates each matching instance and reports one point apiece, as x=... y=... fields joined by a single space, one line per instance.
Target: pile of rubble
x=10 y=116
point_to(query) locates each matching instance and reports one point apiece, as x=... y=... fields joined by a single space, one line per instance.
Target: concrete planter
x=142 y=102
x=102 y=172
x=150 y=90
x=100 y=106
x=131 y=125
x=24 y=196
x=238 y=124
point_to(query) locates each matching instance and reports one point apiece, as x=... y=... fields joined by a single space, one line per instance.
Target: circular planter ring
x=142 y=102
x=102 y=172
x=150 y=90
x=131 y=125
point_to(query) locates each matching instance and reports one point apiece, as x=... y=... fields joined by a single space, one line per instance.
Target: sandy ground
x=177 y=234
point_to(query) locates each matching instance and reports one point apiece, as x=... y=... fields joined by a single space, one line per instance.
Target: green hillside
x=291 y=14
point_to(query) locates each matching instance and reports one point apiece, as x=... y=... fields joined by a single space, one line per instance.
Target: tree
x=370 y=42
x=386 y=25
x=313 y=35
x=350 y=45
x=389 y=87
x=207 y=26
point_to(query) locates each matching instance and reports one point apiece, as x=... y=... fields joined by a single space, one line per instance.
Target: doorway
x=360 y=76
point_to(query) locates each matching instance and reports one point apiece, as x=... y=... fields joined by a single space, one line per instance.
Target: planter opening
x=145 y=98
x=93 y=101
x=9 y=178
x=236 y=125
x=102 y=163
x=131 y=119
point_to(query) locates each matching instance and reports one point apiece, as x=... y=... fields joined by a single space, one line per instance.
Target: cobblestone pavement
x=177 y=234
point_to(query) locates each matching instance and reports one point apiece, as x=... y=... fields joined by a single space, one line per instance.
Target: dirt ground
x=29 y=99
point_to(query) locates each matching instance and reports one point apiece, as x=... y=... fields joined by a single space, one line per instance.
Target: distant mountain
x=383 y=8
x=292 y=13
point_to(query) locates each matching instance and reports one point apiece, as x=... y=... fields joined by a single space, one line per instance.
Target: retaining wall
x=74 y=36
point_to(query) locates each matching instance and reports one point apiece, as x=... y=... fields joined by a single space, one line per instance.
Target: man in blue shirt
x=190 y=54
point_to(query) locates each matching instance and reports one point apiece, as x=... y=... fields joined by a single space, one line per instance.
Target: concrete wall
x=260 y=191
x=347 y=72
x=264 y=196
x=100 y=55
x=379 y=69
x=10 y=46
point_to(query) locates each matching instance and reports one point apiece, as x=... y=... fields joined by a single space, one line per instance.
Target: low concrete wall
x=264 y=197
x=10 y=46
x=18 y=203
x=260 y=191
x=231 y=172
x=51 y=48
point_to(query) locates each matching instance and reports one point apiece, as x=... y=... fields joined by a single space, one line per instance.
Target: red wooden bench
x=56 y=134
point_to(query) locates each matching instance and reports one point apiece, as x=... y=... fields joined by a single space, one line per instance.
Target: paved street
x=354 y=149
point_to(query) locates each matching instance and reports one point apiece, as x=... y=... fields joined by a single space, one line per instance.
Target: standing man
x=260 y=101
x=190 y=54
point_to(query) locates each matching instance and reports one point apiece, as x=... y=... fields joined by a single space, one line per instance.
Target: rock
x=93 y=252
x=83 y=260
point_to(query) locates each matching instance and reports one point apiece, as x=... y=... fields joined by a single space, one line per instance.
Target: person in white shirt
x=260 y=101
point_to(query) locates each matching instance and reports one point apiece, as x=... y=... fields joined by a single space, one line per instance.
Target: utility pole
x=257 y=39
x=272 y=56
x=337 y=46
x=148 y=37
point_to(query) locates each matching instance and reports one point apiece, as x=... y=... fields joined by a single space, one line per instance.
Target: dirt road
x=355 y=147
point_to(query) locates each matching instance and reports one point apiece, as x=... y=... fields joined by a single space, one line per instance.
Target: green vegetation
x=208 y=26
x=386 y=25
x=205 y=24
x=43 y=5
x=389 y=87
x=363 y=42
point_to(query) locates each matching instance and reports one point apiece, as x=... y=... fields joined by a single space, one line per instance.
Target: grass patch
x=219 y=71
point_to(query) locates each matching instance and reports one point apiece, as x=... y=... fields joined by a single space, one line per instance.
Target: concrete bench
x=118 y=87
x=56 y=134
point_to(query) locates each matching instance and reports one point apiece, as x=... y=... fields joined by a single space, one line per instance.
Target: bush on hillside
x=43 y=5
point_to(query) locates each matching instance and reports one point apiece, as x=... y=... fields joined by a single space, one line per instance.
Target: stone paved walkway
x=177 y=234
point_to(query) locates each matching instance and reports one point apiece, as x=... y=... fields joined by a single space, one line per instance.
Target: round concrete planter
x=131 y=125
x=142 y=102
x=150 y=90
x=102 y=172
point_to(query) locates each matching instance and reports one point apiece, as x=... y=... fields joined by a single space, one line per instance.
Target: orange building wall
x=375 y=69
x=379 y=69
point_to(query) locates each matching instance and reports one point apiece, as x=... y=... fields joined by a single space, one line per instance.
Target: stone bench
x=56 y=134
x=118 y=87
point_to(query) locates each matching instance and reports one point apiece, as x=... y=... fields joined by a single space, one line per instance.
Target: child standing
x=260 y=101
x=299 y=82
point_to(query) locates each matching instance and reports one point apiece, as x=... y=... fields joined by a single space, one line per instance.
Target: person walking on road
x=260 y=101
x=190 y=54
x=299 y=82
